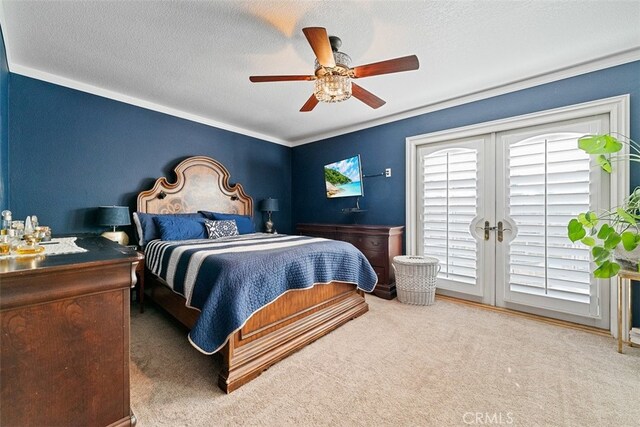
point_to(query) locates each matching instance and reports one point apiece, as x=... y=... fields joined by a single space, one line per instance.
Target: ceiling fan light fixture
x=332 y=88
x=341 y=59
x=333 y=72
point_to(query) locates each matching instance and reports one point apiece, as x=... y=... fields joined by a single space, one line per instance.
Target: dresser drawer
x=350 y=238
x=376 y=258
x=366 y=243
x=383 y=277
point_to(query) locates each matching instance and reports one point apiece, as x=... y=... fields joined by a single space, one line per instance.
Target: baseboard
x=562 y=323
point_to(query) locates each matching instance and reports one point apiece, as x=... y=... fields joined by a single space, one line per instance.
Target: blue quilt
x=230 y=279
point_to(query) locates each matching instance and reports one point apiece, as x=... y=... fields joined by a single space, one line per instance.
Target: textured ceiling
x=194 y=59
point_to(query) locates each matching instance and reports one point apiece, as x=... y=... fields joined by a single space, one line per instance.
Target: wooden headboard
x=202 y=184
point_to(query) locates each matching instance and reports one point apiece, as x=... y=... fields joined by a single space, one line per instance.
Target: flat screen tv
x=344 y=178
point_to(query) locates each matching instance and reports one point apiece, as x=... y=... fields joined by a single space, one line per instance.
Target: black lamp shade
x=269 y=205
x=113 y=215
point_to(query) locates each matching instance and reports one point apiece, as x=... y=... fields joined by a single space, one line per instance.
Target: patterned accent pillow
x=218 y=229
x=243 y=222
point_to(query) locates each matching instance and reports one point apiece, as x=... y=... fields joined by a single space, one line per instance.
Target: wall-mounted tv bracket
x=386 y=173
x=356 y=209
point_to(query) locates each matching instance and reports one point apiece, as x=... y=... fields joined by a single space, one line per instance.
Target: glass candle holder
x=44 y=233
x=5 y=245
x=18 y=226
x=30 y=245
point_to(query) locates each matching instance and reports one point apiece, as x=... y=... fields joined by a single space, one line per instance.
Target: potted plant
x=613 y=235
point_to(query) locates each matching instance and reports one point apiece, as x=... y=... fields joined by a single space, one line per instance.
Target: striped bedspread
x=230 y=279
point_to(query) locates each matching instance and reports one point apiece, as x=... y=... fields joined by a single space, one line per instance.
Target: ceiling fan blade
x=310 y=104
x=367 y=97
x=260 y=79
x=319 y=41
x=406 y=63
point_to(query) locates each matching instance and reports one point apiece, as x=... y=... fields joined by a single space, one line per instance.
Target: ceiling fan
x=333 y=72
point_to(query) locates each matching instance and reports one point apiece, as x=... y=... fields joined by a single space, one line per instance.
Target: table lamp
x=113 y=216
x=269 y=205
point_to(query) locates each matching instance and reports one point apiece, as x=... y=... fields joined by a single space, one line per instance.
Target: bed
x=283 y=326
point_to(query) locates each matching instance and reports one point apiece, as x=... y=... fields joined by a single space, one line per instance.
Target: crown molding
x=608 y=61
x=105 y=93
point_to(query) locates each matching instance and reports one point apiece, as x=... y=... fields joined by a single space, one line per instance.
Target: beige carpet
x=446 y=364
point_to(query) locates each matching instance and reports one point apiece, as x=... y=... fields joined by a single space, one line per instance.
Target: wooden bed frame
x=289 y=323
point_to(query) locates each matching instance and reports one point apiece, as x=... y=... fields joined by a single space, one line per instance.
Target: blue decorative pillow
x=147 y=229
x=218 y=229
x=179 y=228
x=244 y=223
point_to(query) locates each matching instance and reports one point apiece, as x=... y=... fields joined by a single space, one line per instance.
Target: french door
x=493 y=209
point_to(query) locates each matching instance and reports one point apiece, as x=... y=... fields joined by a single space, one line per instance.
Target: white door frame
x=616 y=107
x=599 y=201
x=485 y=212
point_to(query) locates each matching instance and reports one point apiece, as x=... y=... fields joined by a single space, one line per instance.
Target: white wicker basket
x=416 y=279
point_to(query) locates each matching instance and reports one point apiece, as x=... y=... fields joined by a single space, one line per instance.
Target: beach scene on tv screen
x=342 y=178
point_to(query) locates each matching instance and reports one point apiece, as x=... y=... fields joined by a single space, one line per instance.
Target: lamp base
x=117 y=236
x=268 y=226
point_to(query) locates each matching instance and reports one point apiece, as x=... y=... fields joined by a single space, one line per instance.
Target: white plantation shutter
x=449 y=204
x=527 y=177
x=548 y=184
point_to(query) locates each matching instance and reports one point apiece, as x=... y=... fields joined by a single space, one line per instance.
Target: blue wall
x=4 y=127
x=384 y=146
x=71 y=151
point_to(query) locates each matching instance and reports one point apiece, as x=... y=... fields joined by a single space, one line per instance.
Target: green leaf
x=604 y=163
x=630 y=240
x=606 y=270
x=588 y=219
x=589 y=241
x=624 y=215
x=612 y=241
x=599 y=144
x=600 y=254
x=605 y=231
x=575 y=230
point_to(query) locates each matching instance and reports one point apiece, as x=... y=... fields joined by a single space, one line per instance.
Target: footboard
x=285 y=326
x=294 y=320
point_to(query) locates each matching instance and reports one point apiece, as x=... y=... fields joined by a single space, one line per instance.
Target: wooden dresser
x=379 y=243
x=64 y=355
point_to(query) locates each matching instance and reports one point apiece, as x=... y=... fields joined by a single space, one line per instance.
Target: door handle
x=501 y=231
x=487 y=228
